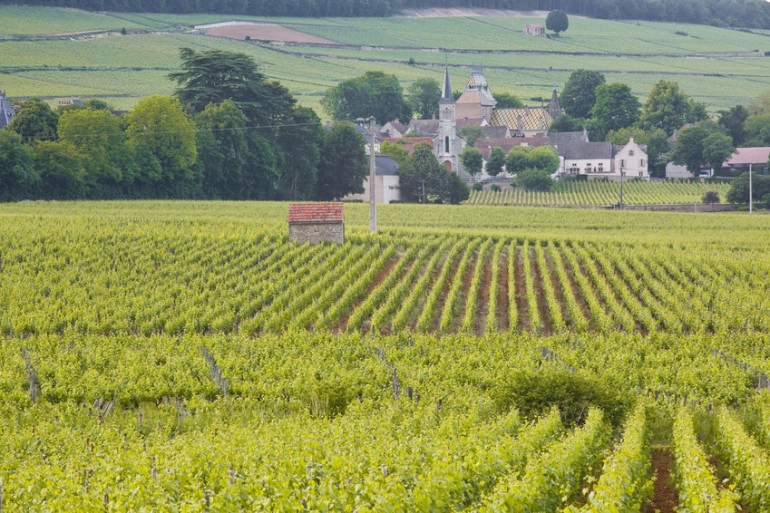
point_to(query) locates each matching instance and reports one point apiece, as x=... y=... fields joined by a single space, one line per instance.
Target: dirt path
x=665 y=497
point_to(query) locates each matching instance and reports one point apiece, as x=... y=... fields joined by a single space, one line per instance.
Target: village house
x=386 y=182
x=581 y=157
x=744 y=159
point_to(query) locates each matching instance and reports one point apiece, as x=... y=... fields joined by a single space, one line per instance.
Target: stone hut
x=316 y=222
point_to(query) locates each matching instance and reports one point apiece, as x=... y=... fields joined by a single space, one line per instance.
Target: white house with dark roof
x=386 y=182
x=6 y=111
x=580 y=156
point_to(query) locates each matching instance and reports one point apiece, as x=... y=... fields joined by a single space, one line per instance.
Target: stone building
x=316 y=222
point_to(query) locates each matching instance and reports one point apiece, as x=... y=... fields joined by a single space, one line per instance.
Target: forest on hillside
x=726 y=13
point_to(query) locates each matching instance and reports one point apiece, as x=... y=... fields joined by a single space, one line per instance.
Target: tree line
x=227 y=133
x=727 y=13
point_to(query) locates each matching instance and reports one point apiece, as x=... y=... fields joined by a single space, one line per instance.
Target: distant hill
x=729 y=13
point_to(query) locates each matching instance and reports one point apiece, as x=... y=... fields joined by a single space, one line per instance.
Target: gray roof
x=494 y=132
x=425 y=127
x=385 y=166
x=575 y=145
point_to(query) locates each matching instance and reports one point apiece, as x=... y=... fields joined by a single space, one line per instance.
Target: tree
x=733 y=121
x=472 y=160
x=615 y=108
x=496 y=161
x=343 y=165
x=35 y=120
x=688 y=150
x=61 y=170
x=213 y=76
x=373 y=94
x=17 y=174
x=236 y=162
x=566 y=123
x=717 y=147
x=507 y=101
x=158 y=129
x=424 y=95
x=109 y=164
x=579 y=93
x=394 y=151
x=517 y=159
x=710 y=197
x=455 y=189
x=422 y=178
x=470 y=133
x=757 y=130
x=666 y=107
x=535 y=180
x=557 y=21
x=300 y=149
x=544 y=158
x=739 y=191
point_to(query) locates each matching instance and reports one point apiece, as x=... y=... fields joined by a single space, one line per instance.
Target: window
x=642 y=163
x=601 y=167
x=630 y=153
x=641 y=174
x=622 y=163
x=446 y=144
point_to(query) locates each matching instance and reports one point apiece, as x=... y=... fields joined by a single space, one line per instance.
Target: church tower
x=447 y=145
x=554 y=107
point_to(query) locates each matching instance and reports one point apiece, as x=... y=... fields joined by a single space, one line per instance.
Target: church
x=476 y=106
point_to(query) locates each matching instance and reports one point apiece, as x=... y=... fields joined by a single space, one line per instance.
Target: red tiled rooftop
x=316 y=212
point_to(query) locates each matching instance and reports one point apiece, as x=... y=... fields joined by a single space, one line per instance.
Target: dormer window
x=630 y=153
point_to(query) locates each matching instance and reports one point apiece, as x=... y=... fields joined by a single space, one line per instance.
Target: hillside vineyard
x=180 y=357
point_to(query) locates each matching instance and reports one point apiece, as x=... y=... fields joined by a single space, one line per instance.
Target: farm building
x=316 y=222
x=534 y=29
x=579 y=156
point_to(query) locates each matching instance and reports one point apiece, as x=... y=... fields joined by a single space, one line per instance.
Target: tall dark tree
x=424 y=94
x=213 y=76
x=299 y=142
x=667 y=107
x=688 y=150
x=237 y=162
x=373 y=94
x=422 y=178
x=344 y=165
x=496 y=161
x=615 y=108
x=17 y=174
x=35 y=120
x=733 y=121
x=472 y=160
x=579 y=93
x=61 y=170
x=717 y=147
x=557 y=21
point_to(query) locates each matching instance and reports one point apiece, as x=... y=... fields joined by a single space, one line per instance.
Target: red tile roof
x=316 y=213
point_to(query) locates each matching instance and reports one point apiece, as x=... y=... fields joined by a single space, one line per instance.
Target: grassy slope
x=710 y=64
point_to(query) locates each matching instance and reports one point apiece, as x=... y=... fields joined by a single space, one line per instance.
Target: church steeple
x=554 y=107
x=446 y=94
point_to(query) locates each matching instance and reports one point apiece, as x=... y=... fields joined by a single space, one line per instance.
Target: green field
x=602 y=194
x=721 y=67
x=185 y=356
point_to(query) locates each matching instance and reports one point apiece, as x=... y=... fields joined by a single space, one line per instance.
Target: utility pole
x=372 y=195
x=621 y=188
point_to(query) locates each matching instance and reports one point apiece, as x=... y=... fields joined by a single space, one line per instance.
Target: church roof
x=494 y=131
x=532 y=118
x=446 y=93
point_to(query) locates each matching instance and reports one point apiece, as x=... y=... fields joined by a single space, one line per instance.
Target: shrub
x=495 y=188
x=711 y=197
x=478 y=187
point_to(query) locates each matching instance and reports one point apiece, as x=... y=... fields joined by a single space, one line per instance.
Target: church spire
x=554 y=107
x=446 y=95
